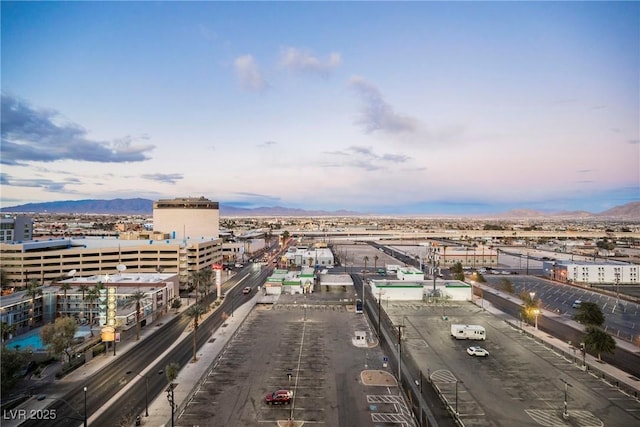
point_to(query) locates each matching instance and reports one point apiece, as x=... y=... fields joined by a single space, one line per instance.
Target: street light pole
x=536 y=312
x=170 y=398
x=565 y=413
x=400 y=352
x=456 y=410
x=85 y=408
x=379 y=311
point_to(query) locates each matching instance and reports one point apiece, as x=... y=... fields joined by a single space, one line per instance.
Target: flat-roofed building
x=187 y=218
x=51 y=260
x=16 y=228
x=81 y=301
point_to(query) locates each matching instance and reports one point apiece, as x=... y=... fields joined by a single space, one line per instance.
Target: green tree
x=171 y=371
x=589 y=314
x=176 y=304
x=5 y=283
x=529 y=307
x=64 y=287
x=506 y=285
x=195 y=279
x=206 y=279
x=6 y=330
x=194 y=312
x=33 y=291
x=599 y=341
x=11 y=362
x=457 y=271
x=137 y=297
x=83 y=289
x=92 y=296
x=59 y=336
x=285 y=237
x=366 y=260
x=375 y=262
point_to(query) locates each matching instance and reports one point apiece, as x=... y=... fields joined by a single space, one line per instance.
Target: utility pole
x=400 y=353
x=565 y=412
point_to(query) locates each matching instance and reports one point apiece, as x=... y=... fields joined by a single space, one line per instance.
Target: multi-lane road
x=104 y=384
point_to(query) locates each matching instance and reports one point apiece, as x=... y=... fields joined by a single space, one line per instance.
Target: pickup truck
x=280 y=397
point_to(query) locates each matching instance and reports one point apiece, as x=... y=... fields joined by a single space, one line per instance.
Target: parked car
x=279 y=397
x=246 y=290
x=477 y=351
x=576 y=304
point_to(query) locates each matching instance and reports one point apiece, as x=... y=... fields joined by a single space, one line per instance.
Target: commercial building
x=84 y=299
x=419 y=290
x=591 y=273
x=187 y=218
x=310 y=257
x=16 y=228
x=197 y=247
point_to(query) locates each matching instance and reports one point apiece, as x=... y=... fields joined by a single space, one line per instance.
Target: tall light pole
x=400 y=352
x=456 y=407
x=146 y=396
x=536 y=312
x=85 y=407
x=565 y=412
x=532 y=295
x=170 y=398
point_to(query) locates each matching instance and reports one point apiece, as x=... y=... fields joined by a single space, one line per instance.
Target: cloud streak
x=45 y=184
x=376 y=114
x=30 y=135
x=249 y=74
x=364 y=158
x=303 y=61
x=167 y=178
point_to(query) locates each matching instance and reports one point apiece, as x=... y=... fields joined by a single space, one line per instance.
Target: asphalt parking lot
x=307 y=345
x=519 y=383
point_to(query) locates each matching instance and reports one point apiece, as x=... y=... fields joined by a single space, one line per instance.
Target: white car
x=477 y=351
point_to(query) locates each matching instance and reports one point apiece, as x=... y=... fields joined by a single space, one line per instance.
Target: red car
x=280 y=397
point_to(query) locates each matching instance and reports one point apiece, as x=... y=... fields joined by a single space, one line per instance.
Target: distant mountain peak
x=138 y=206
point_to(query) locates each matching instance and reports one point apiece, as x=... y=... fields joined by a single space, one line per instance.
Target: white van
x=577 y=303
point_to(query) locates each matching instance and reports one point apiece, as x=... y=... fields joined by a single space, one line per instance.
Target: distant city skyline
x=378 y=107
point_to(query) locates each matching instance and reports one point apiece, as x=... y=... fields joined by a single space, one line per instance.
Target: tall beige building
x=187 y=218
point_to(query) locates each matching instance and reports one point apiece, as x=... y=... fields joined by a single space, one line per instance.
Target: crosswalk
x=401 y=413
x=554 y=418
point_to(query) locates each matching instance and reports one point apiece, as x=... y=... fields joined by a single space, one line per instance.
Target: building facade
x=187 y=218
x=80 y=298
x=588 y=273
x=16 y=228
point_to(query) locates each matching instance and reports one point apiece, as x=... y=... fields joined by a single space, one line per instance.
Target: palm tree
x=92 y=296
x=195 y=282
x=83 y=288
x=599 y=341
x=6 y=330
x=33 y=291
x=206 y=275
x=64 y=286
x=375 y=262
x=366 y=260
x=194 y=312
x=137 y=297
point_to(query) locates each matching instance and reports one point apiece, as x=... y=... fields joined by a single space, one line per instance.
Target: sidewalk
x=615 y=376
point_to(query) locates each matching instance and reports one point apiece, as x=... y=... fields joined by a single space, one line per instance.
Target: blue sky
x=398 y=107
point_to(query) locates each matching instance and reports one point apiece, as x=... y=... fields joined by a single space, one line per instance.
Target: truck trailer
x=468 y=332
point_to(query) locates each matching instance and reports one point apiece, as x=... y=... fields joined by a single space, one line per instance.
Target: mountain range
x=138 y=206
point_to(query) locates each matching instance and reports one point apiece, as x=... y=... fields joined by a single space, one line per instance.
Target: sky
x=373 y=107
